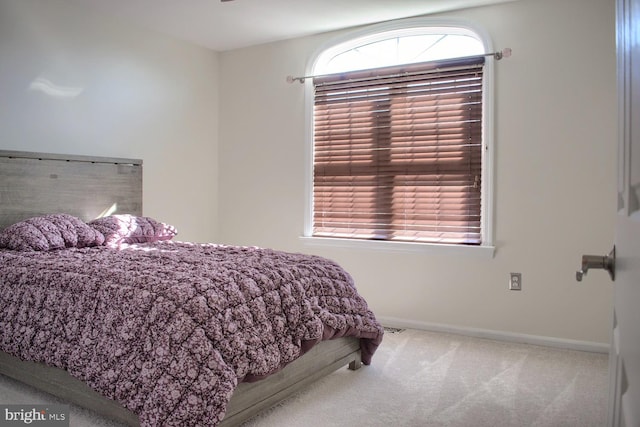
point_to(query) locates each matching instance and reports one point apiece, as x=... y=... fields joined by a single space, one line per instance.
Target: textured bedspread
x=168 y=329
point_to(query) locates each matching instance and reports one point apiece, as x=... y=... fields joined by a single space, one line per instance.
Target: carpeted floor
x=421 y=379
x=427 y=379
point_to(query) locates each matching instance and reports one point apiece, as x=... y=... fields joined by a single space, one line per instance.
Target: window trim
x=486 y=249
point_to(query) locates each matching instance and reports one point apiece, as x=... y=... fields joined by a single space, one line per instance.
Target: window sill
x=478 y=252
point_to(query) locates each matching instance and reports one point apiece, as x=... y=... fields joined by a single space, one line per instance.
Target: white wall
x=555 y=177
x=114 y=91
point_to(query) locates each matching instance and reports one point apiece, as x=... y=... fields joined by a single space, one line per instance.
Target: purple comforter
x=168 y=329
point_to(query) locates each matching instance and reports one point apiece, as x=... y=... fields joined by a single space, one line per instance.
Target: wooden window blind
x=398 y=153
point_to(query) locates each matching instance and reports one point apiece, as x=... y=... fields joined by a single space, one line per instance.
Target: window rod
x=504 y=53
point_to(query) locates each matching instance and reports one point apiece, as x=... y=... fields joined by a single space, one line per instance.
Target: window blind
x=398 y=153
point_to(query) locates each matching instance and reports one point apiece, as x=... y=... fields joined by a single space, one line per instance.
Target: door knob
x=607 y=262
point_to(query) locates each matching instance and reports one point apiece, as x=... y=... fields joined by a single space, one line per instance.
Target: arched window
x=403 y=46
x=400 y=138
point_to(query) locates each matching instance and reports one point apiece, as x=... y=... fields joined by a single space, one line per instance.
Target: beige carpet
x=431 y=379
x=426 y=379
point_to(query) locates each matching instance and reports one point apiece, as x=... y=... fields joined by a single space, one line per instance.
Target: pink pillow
x=119 y=229
x=44 y=233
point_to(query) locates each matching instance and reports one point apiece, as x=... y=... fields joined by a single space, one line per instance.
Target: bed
x=154 y=331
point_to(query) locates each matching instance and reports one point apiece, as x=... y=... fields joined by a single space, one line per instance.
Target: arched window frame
x=373 y=33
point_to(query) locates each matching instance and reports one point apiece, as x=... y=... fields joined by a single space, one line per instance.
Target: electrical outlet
x=515 y=282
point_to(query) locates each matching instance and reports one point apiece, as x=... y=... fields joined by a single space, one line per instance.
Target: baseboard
x=568 y=344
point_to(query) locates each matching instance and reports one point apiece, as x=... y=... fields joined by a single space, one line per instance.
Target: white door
x=624 y=386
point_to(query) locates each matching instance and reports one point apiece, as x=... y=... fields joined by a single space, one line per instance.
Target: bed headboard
x=33 y=184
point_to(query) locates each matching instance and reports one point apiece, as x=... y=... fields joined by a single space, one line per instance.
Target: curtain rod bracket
x=504 y=53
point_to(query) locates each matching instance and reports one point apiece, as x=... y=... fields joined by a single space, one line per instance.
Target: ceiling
x=235 y=24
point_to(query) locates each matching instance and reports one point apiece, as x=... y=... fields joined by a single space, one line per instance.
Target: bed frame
x=33 y=184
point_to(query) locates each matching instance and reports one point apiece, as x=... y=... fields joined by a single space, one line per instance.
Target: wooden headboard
x=33 y=184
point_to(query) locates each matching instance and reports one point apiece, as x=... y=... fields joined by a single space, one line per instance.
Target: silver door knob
x=607 y=262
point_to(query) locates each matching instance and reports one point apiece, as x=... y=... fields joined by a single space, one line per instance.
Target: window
x=405 y=46
x=399 y=138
